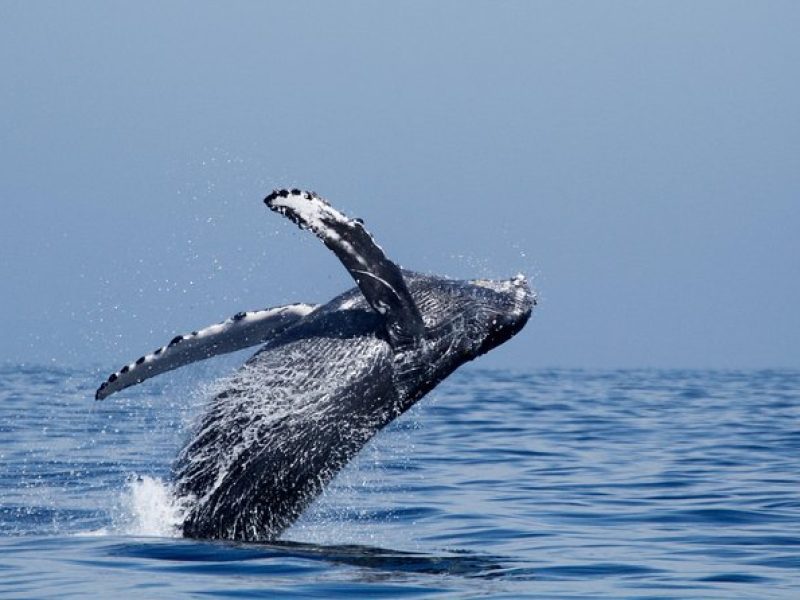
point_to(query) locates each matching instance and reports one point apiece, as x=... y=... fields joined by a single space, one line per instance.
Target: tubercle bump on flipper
x=142 y=368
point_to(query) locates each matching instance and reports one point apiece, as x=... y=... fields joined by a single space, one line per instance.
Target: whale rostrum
x=326 y=379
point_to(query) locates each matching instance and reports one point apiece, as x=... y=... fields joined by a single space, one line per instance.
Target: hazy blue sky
x=640 y=160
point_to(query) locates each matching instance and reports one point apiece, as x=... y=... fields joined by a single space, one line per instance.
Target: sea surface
x=501 y=484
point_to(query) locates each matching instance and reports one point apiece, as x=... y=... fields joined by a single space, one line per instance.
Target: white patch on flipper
x=312 y=212
x=379 y=279
x=240 y=331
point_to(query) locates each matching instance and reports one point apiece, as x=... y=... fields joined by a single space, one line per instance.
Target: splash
x=148 y=507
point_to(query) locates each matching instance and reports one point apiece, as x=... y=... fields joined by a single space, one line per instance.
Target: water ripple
x=556 y=483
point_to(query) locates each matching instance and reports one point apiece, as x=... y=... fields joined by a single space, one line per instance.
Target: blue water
x=555 y=484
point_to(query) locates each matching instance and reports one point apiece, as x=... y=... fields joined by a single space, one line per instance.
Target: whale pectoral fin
x=379 y=279
x=242 y=330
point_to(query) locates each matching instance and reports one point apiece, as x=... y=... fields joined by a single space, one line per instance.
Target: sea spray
x=148 y=507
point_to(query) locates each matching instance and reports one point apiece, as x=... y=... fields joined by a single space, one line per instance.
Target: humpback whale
x=326 y=379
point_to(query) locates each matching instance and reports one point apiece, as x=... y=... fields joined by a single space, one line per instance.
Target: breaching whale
x=326 y=380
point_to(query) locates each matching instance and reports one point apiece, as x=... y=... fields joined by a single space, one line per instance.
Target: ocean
x=500 y=484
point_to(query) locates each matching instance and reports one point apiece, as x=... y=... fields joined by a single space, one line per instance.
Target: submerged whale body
x=327 y=379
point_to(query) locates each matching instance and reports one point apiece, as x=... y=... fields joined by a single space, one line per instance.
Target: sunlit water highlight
x=557 y=484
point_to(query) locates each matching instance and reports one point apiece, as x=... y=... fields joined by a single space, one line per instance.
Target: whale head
x=501 y=307
x=465 y=319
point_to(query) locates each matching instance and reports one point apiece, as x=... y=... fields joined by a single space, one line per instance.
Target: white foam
x=148 y=507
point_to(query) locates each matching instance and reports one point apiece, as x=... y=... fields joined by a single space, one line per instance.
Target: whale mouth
x=504 y=330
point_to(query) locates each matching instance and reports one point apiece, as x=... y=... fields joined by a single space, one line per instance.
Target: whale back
x=288 y=421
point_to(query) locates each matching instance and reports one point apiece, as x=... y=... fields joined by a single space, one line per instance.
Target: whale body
x=326 y=380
